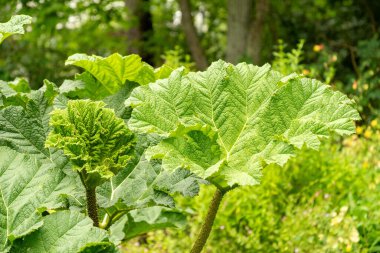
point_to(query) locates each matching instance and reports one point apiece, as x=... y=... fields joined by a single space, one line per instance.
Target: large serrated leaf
x=226 y=123
x=27 y=187
x=65 y=231
x=14 y=26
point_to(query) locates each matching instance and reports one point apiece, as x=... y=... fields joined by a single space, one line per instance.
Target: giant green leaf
x=65 y=231
x=27 y=187
x=110 y=73
x=14 y=26
x=226 y=123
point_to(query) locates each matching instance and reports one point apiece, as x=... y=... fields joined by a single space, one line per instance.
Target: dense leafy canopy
x=49 y=183
x=94 y=140
x=226 y=123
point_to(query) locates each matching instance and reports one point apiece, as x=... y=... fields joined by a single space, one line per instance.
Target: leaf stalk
x=92 y=208
x=208 y=222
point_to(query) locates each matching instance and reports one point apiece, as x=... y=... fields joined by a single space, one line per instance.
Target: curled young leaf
x=97 y=142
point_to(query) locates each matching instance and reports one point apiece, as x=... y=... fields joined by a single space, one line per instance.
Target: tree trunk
x=192 y=36
x=238 y=21
x=256 y=30
x=141 y=30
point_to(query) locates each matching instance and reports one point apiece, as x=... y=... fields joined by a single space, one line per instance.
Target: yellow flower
x=305 y=72
x=368 y=133
x=318 y=47
x=359 y=130
x=374 y=123
x=355 y=85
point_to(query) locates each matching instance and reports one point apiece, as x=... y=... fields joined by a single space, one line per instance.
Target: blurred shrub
x=322 y=67
x=366 y=86
x=177 y=58
x=362 y=84
x=288 y=62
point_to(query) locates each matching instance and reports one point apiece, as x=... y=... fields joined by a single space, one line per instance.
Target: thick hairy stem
x=92 y=208
x=208 y=222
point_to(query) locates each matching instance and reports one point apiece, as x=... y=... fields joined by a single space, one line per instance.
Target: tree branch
x=239 y=17
x=192 y=36
x=256 y=30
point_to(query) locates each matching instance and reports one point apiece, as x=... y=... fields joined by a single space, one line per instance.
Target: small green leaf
x=144 y=220
x=143 y=183
x=111 y=72
x=14 y=26
x=14 y=93
x=148 y=185
x=140 y=185
x=84 y=86
x=163 y=72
